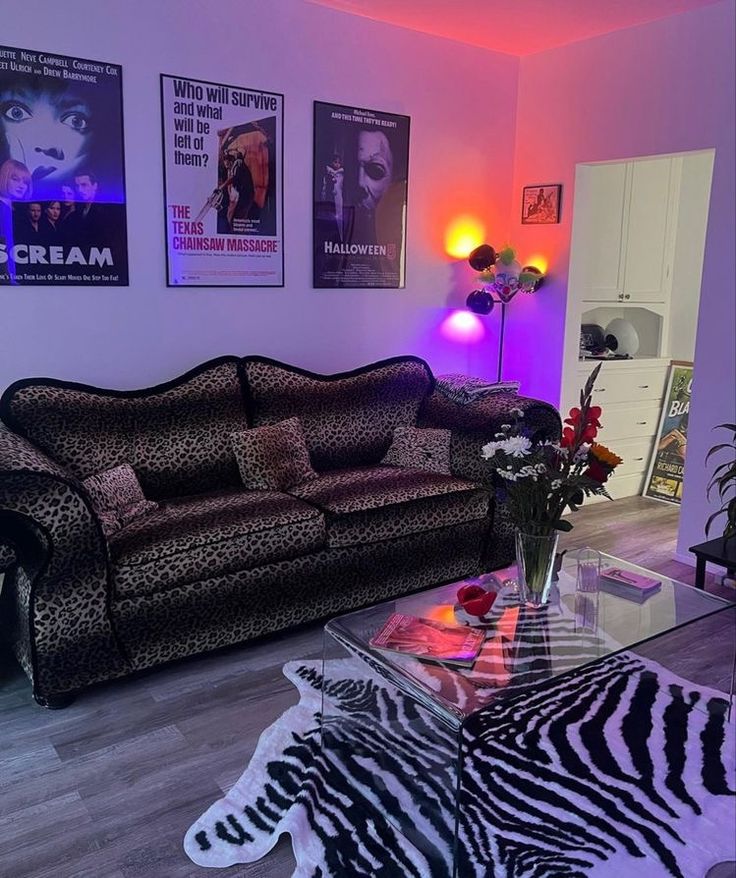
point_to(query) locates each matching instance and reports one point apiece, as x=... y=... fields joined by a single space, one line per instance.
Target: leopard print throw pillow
x=273 y=457
x=117 y=497
x=420 y=448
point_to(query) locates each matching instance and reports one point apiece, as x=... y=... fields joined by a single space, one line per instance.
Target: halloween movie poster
x=223 y=159
x=667 y=467
x=62 y=175
x=360 y=175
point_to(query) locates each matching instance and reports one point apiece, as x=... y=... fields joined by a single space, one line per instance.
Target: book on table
x=430 y=640
x=626 y=584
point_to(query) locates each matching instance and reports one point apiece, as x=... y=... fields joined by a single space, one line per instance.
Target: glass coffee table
x=525 y=651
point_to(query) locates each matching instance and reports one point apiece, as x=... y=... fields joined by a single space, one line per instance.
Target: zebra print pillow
x=623 y=770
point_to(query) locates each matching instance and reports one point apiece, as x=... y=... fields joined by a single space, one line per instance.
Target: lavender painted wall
x=658 y=88
x=461 y=161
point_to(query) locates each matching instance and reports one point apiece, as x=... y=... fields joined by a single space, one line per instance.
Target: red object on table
x=476 y=601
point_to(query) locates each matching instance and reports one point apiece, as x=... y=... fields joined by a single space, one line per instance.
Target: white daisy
x=517 y=446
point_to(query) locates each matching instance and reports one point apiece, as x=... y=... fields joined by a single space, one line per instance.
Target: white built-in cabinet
x=624 y=246
x=633 y=222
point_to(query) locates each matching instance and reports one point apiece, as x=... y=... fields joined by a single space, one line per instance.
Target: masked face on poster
x=375 y=168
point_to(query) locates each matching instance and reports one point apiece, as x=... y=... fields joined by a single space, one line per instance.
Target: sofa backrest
x=176 y=436
x=349 y=418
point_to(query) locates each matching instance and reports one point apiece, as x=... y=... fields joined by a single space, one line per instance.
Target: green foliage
x=723 y=480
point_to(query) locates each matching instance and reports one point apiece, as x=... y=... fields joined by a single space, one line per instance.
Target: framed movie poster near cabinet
x=667 y=465
x=360 y=174
x=62 y=171
x=223 y=184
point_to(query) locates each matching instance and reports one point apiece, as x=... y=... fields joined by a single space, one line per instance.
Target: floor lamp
x=502 y=278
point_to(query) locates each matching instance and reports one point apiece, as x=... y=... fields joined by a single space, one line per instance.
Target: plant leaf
x=724 y=465
x=563 y=525
x=710 y=520
x=717 y=448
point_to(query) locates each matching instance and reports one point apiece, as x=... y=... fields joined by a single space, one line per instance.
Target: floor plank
x=108 y=787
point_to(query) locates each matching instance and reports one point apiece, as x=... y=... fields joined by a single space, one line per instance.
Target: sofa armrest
x=472 y=426
x=56 y=598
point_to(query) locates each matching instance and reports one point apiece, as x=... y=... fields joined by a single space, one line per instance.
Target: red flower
x=581 y=429
x=597 y=472
x=589 y=433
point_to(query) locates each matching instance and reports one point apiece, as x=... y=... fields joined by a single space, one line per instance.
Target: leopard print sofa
x=216 y=564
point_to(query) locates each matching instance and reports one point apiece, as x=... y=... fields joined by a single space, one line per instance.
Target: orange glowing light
x=463 y=235
x=444 y=613
x=539 y=262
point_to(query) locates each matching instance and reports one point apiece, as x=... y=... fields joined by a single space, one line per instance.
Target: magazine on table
x=626 y=584
x=430 y=640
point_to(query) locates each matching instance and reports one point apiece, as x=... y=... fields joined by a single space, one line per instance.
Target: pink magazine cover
x=635 y=581
x=427 y=639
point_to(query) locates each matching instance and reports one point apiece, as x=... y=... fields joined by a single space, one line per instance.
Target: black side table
x=720 y=551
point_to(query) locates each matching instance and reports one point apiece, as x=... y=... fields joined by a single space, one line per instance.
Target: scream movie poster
x=361 y=160
x=62 y=176
x=223 y=155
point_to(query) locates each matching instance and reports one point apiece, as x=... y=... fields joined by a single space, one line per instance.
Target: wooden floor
x=108 y=787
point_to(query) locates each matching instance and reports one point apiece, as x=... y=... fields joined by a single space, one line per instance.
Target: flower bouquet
x=541 y=480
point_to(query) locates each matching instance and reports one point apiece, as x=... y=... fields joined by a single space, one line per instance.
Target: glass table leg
x=397 y=762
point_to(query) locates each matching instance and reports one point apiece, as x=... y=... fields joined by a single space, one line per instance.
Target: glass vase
x=535 y=560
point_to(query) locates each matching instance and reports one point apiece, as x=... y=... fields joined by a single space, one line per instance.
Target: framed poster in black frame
x=540 y=205
x=63 y=215
x=359 y=203
x=223 y=151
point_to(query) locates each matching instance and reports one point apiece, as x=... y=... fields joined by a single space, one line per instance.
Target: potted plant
x=724 y=480
x=542 y=480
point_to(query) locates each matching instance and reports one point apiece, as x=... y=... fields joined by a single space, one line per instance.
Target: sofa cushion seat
x=370 y=504
x=194 y=538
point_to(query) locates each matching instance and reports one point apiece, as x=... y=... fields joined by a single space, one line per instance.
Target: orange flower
x=605 y=455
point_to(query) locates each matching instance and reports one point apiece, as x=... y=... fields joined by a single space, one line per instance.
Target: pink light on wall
x=462 y=326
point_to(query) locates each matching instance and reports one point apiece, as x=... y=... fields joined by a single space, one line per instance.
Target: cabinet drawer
x=635 y=454
x=627 y=385
x=635 y=421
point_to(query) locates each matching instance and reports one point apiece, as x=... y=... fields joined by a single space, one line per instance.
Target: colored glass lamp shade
x=507 y=280
x=480 y=302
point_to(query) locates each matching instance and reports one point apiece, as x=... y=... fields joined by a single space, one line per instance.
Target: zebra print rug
x=623 y=770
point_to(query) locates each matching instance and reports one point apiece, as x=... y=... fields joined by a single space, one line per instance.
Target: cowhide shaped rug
x=621 y=770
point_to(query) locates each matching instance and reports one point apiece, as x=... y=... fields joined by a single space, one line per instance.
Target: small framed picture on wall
x=540 y=205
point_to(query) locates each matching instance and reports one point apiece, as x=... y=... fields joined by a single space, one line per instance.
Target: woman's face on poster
x=17 y=185
x=49 y=133
x=53 y=211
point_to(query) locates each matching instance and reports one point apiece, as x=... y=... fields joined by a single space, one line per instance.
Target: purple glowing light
x=463 y=326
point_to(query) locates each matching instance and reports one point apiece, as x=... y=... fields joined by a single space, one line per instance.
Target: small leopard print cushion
x=420 y=448
x=274 y=457
x=117 y=497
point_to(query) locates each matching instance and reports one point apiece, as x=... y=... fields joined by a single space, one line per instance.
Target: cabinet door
x=647 y=250
x=605 y=233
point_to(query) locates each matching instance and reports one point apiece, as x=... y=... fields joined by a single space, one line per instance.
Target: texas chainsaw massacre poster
x=223 y=168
